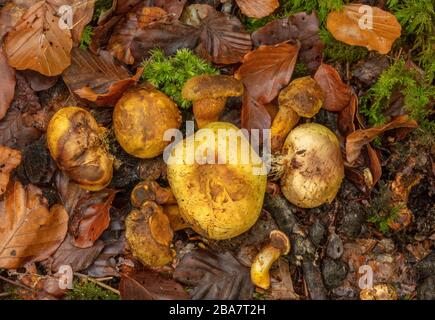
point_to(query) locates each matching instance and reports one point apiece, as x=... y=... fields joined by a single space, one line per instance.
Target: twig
x=101 y=284
x=14 y=283
x=4 y=294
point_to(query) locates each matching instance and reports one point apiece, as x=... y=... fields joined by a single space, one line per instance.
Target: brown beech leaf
x=9 y=160
x=8 y=81
x=346 y=117
x=10 y=14
x=254 y=114
x=38 y=43
x=374 y=165
x=29 y=232
x=98 y=78
x=123 y=35
x=214 y=276
x=39 y=82
x=224 y=39
x=351 y=25
x=257 y=8
x=91 y=217
x=77 y=258
x=298 y=27
x=150 y=285
x=356 y=140
x=83 y=11
x=173 y=7
x=266 y=70
x=336 y=92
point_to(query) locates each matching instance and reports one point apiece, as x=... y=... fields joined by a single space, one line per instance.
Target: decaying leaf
x=224 y=39
x=266 y=70
x=336 y=93
x=8 y=81
x=366 y=26
x=254 y=114
x=356 y=140
x=123 y=35
x=91 y=217
x=9 y=160
x=150 y=285
x=257 y=8
x=83 y=11
x=39 y=82
x=214 y=276
x=298 y=27
x=77 y=258
x=29 y=231
x=98 y=78
x=38 y=43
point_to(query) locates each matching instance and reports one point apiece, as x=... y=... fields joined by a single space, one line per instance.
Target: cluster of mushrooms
x=218 y=201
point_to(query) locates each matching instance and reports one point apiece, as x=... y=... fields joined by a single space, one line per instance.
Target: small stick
x=17 y=284
x=103 y=285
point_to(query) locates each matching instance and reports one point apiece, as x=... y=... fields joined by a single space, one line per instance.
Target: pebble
x=334 y=272
x=334 y=249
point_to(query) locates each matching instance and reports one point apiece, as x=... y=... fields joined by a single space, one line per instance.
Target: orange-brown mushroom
x=209 y=94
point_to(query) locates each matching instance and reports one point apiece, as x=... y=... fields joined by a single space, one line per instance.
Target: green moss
x=322 y=7
x=86 y=290
x=169 y=74
x=418 y=94
x=86 y=39
x=417 y=18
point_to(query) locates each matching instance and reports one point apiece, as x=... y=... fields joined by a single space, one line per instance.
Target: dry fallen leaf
x=98 y=78
x=8 y=81
x=150 y=285
x=257 y=8
x=300 y=27
x=254 y=114
x=224 y=39
x=352 y=26
x=29 y=231
x=336 y=93
x=38 y=43
x=9 y=160
x=266 y=70
x=356 y=140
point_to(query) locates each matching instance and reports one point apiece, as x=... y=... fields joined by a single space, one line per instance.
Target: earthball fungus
x=303 y=97
x=140 y=120
x=218 y=200
x=312 y=166
x=209 y=94
x=76 y=144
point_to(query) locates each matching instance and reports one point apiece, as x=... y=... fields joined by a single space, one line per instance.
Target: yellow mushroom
x=379 y=292
x=301 y=98
x=278 y=245
x=209 y=94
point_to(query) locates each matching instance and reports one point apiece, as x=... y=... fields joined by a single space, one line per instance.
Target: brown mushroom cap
x=279 y=240
x=211 y=87
x=303 y=95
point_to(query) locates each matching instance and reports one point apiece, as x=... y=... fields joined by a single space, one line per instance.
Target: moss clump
x=382 y=213
x=418 y=96
x=86 y=290
x=86 y=39
x=169 y=74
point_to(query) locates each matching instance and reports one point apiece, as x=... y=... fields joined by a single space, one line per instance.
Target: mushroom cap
x=303 y=95
x=279 y=239
x=314 y=169
x=211 y=87
x=140 y=120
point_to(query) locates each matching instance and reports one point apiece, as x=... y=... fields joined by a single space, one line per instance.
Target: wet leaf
x=299 y=27
x=150 y=285
x=257 y=8
x=91 y=217
x=266 y=70
x=254 y=114
x=351 y=25
x=8 y=81
x=336 y=93
x=38 y=43
x=39 y=82
x=29 y=231
x=214 y=276
x=98 y=78
x=224 y=39
x=77 y=258
x=346 y=117
x=356 y=140
x=9 y=160
x=83 y=11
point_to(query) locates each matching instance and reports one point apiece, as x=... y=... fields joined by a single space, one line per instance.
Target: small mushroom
x=151 y=191
x=303 y=97
x=149 y=235
x=278 y=245
x=379 y=292
x=209 y=94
